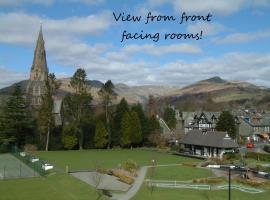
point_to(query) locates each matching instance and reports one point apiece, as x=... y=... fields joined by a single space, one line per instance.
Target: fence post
x=20 y=170
x=4 y=172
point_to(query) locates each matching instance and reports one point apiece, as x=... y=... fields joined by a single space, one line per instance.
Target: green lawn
x=86 y=159
x=179 y=173
x=58 y=187
x=188 y=194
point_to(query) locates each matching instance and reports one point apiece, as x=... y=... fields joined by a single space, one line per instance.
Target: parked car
x=250 y=145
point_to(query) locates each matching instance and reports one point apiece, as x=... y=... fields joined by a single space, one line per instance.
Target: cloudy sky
x=235 y=44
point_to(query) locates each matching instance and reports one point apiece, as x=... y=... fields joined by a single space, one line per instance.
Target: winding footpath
x=138 y=183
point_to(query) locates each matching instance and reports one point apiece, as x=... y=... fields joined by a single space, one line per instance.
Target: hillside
x=132 y=94
x=220 y=90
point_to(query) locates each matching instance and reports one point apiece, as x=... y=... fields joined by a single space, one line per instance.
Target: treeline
x=120 y=125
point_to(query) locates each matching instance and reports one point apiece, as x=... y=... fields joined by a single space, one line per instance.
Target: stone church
x=38 y=77
x=39 y=73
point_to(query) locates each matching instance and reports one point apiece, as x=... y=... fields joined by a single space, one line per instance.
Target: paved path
x=138 y=182
x=103 y=181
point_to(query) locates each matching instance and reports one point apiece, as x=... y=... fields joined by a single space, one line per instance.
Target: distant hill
x=216 y=88
x=132 y=94
x=220 y=91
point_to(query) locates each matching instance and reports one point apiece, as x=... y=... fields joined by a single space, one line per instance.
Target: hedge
x=258 y=156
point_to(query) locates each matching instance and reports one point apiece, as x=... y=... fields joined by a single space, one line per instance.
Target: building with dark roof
x=208 y=143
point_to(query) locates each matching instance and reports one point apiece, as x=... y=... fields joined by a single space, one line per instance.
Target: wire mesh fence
x=11 y=167
x=31 y=161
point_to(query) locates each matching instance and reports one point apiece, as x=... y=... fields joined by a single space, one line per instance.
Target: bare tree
x=96 y=179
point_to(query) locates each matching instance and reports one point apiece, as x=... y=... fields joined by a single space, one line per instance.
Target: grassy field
x=176 y=194
x=179 y=173
x=58 y=187
x=86 y=159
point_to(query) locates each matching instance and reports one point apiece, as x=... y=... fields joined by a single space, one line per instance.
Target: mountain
x=215 y=88
x=133 y=94
x=219 y=90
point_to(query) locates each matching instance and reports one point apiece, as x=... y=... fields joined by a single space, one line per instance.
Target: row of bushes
x=214 y=180
x=250 y=182
x=258 y=156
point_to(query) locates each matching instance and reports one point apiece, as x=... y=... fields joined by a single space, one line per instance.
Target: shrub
x=252 y=183
x=266 y=148
x=30 y=148
x=258 y=156
x=189 y=164
x=122 y=177
x=130 y=166
x=208 y=180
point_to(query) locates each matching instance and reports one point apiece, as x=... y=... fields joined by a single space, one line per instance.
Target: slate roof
x=209 y=139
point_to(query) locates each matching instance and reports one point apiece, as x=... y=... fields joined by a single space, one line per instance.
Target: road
x=258 y=147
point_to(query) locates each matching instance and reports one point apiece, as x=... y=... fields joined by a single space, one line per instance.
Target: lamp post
x=230 y=183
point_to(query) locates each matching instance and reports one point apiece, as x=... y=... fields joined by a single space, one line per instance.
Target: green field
x=58 y=187
x=188 y=194
x=86 y=159
x=64 y=187
x=179 y=173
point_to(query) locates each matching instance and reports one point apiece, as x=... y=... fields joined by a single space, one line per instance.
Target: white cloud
x=243 y=37
x=11 y=3
x=8 y=77
x=126 y=52
x=207 y=28
x=220 y=7
x=21 y=28
x=20 y=2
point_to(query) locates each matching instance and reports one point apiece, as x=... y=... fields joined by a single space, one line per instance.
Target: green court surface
x=11 y=167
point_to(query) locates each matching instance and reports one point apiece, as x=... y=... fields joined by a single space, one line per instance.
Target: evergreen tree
x=121 y=109
x=45 y=114
x=226 y=122
x=77 y=106
x=153 y=125
x=107 y=94
x=125 y=139
x=101 y=135
x=135 y=129
x=143 y=119
x=169 y=117
x=16 y=120
x=69 y=139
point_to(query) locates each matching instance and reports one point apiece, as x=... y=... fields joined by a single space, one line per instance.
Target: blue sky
x=83 y=33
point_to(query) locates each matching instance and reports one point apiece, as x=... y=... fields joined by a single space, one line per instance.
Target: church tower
x=39 y=72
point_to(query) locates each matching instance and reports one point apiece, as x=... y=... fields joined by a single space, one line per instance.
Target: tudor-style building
x=201 y=120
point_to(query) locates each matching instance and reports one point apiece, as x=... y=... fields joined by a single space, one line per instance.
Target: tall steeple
x=39 y=72
x=39 y=69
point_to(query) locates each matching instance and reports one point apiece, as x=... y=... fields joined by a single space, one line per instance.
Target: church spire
x=39 y=69
x=39 y=72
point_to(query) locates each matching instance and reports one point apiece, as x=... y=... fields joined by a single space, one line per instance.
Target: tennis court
x=11 y=167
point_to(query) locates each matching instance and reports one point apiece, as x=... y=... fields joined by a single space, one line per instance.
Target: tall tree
x=169 y=117
x=16 y=120
x=125 y=139
x=101 y=135
x=69 y=140
x=135 y=129
x=142 y=118
x=151 y=106
x=121 y=109
x=226 y=122
x=77 y=106
x=46 y=114
x=107 y=94
x=153 y=125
